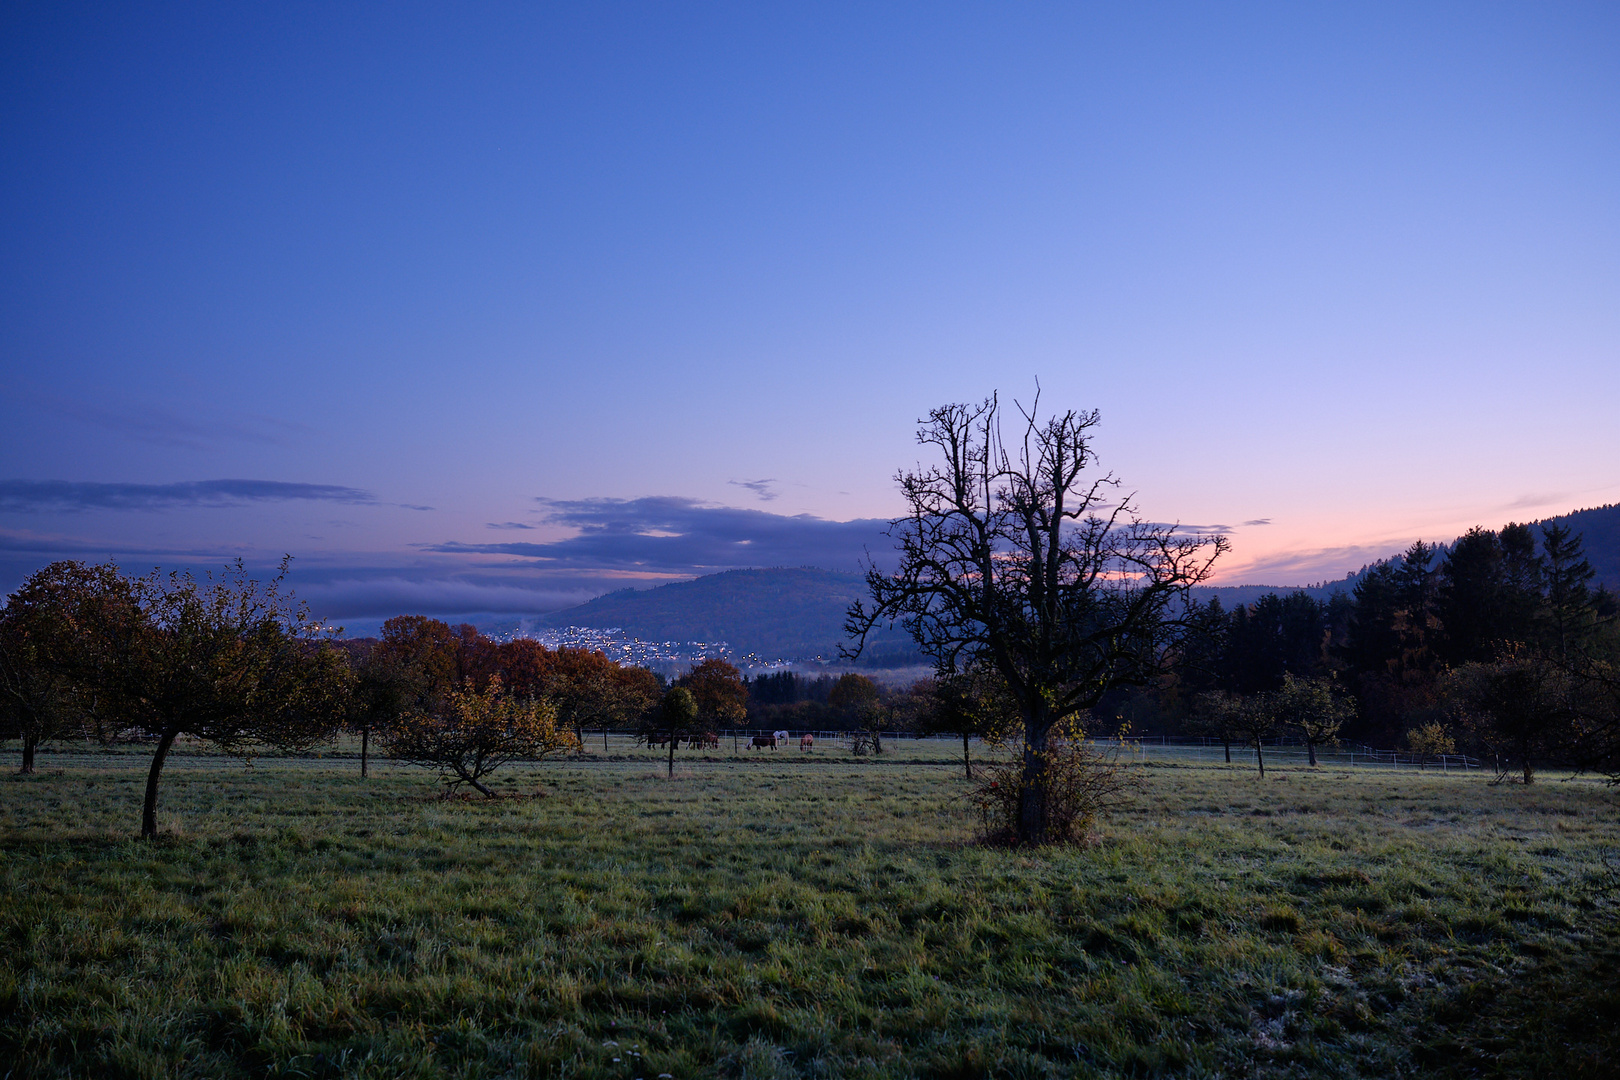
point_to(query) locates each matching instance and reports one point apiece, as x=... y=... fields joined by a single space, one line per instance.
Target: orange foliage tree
x=476 y=733
x=718 y=690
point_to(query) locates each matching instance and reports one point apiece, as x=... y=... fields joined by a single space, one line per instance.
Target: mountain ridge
x=798 y=612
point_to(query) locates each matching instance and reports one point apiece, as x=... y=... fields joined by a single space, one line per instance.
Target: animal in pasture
x=807 y=741
x=764 y=740
x=781 y=738
x=707 y=740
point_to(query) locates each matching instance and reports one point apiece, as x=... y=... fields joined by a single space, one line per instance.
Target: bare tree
x=1018 y=556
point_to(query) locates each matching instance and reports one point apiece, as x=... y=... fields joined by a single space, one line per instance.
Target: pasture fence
x=1167 y=748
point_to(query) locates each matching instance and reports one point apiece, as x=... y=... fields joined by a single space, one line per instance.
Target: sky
x=497 y=307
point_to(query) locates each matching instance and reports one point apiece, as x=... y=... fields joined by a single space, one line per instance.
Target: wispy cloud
x=1304 y=565
x=38 y=495
x=162 y=427
x=507 y=525
x=1259 y=521
x=761 y=488
x=1527 y=502
x=56 y=545
x=685 y=535
x=343 y=598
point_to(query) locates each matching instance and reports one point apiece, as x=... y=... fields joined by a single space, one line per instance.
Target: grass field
x=800 y=915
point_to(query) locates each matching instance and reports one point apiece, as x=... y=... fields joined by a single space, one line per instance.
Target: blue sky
x=412 y=292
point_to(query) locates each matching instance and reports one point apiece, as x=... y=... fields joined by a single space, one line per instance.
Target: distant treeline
x=1407 y=641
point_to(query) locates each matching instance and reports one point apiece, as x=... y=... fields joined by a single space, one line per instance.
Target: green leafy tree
x=1017 y=555
x=1312 y=708
x=1256 y=720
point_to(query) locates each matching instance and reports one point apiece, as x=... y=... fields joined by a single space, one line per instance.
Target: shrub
x=1080 y=782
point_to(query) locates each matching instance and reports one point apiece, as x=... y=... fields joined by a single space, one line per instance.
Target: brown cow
x=764 y=740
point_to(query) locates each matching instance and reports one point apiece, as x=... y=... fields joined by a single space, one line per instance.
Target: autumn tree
x=589 y=690
x=525 y=667
x=412 y=666
x=54 y=636
x=227 y=660
x=718 y=690
x=1017 y=555
x=477 y=731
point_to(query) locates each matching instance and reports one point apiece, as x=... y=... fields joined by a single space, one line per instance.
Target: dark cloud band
x=38 y=495
x=671 y=533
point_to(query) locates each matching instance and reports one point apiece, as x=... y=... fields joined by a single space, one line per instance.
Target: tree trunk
x=671 y=773
x=1529 y=771
x=30 y=743
x=365 y=745
x=149 y=807
x=967 y=761
x=1032 y=791
x=1260 y=758
x=1228 y=745
x=1310 y=749
x=481 y=787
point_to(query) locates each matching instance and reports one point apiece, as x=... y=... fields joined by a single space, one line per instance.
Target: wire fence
x=745 y=743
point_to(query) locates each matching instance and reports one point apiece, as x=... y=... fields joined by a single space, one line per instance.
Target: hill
x=774 y=613
x=799 y=613
x=1599 y=527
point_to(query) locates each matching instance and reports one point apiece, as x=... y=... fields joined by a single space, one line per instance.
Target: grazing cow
x=807 y=741
x=764 y=740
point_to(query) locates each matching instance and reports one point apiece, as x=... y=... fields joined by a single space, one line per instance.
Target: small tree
x=1430 y=740
x=972 y=704
x=226 y=660
x=1310 y=707
x=1255 y=720
x=54 y=633
x=1080 y=781
x=677 y=716
x=590 y=690
x=1216 y=715
x=1519 y=707
x=476 y=733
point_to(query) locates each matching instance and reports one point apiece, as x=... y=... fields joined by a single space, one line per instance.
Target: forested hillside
x=799 y=612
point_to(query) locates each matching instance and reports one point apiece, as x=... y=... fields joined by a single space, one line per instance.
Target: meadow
x=796 y=915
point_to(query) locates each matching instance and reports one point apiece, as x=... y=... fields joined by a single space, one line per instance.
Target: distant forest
x=1396 y=639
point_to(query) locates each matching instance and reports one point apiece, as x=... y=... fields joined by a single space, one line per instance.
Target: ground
x=798 y=914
